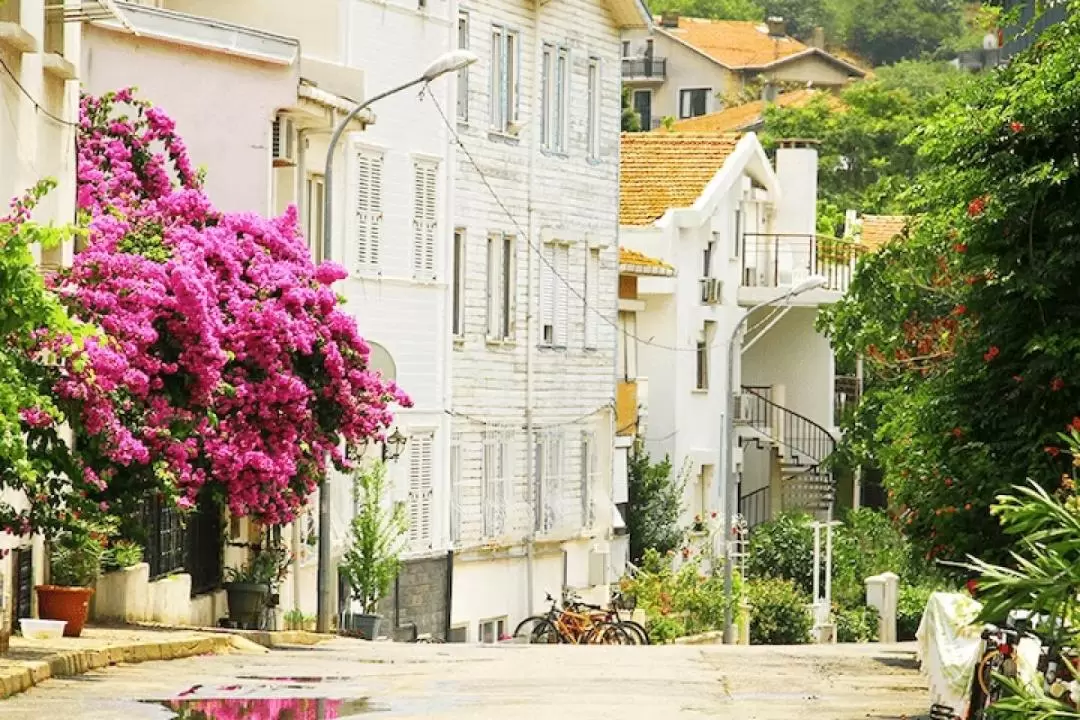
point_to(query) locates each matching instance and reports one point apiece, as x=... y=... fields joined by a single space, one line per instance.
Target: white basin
x=42 y=629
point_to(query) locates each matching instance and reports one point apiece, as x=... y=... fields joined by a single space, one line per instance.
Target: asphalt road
x=351 y=679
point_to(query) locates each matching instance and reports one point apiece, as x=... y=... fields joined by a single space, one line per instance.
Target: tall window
x=707 y=260
x=556 y=97
x=458 y=289
x=592 y=297
x=589 y=476
x=425 y=213
x=594 y=108
x=737 y=243
x=316 y=207
x=455 y=492
x=704 y=346
x=500 y=257
x=368 y=201
x=463 y=73
x=549 y=468
x=504 y=77
x=693 y=102
x=421 y=447
x=498 y=469
x=555 y=295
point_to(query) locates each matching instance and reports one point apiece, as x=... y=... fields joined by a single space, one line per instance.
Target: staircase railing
x=806 y=442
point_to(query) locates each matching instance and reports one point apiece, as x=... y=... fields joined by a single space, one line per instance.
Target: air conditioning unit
x=711 y=291
x=284 y=141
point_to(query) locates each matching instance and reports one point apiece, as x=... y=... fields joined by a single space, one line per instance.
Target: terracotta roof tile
x=658 y=171
x=633 y=257
x=877 y=230
x=748 y=115
x=736 y=43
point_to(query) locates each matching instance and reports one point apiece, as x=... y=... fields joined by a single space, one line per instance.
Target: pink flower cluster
x=224 y=353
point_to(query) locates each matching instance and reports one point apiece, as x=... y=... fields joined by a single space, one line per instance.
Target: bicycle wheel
x=607 y=633
x=545 y=633
x=526 y=626
x=638 y=634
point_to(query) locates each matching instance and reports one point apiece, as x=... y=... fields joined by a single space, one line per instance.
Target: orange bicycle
x=575 y=627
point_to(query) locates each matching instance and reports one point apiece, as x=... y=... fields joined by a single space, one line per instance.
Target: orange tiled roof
x=658 y=171
x=633 y=257
x=736 y=43
x=877 y=230
x=748 y=115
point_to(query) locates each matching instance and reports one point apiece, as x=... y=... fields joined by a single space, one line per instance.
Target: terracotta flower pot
x=65 y=603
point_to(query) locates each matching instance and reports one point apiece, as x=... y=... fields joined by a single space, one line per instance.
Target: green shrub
x=778 y=613
x=783 y=548
x=676 y=603
x=909 y=609
x=123 y=554
x=858 y=624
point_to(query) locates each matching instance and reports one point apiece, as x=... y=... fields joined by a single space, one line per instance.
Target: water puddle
x=277 y=708
x=285 y=698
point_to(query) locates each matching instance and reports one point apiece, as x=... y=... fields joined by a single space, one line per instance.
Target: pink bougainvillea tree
x=226 y=362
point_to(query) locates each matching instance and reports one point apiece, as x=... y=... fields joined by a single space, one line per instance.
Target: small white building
x=738 y=234
x=533 y=307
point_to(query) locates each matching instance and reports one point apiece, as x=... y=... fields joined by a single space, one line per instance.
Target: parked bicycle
x=579 y=623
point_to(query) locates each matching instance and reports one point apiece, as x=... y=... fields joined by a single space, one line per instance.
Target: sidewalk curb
x=17 y=678
x=715 y=637
x=267 y=638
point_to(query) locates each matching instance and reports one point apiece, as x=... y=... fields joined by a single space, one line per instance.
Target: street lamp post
x=728 y=441
x=446 y=63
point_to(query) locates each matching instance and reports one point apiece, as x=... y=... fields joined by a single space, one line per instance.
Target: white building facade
x=533 y=306
x=741 y=235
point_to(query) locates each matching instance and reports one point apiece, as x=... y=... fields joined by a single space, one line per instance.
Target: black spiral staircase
x=803 y=448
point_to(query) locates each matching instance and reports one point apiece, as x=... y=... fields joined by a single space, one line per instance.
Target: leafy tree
x=377 y=538
x=715 y=9
x=41 y=483
x=631 y=120
x=865 y=163
x=969 y=327
x=800 y=16
x=887 y=31
x=655 y=506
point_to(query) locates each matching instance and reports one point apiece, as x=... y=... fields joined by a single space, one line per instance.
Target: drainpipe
x=530 y=446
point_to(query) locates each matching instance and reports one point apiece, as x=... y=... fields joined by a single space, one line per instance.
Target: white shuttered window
x=425 y=212
x=505 y=77
x=501 y=261
x=550 y=467
x=368 y=208
x=555 y=295
x=498 y=456
x=592 y=297
x=455 y=492
x=421 y=464
x=589 y=477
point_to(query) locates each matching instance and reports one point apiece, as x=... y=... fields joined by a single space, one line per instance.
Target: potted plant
x=250 y=588
x=377 y=537
x=75 y=561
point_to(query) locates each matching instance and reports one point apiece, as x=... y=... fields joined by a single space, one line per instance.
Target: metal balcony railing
x=644 y=68
x=773 y=260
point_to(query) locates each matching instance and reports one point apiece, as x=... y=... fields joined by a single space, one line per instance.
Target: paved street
x=842 y=682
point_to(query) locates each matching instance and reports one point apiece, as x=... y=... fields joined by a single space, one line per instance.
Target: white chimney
x=797 y=171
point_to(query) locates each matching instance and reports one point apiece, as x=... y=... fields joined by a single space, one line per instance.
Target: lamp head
x=449 y=62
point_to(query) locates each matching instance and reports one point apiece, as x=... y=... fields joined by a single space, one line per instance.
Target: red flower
x=713 y=515
x=1052 y=451
x=972 y=586
x=1016 y=127
x=1074 y=425
x=992 y=353
x=977 y=206
x=685 y=553
x=948 y=482
x=960 y=247
x=959 y=309
x=958 y=432
x=1057 y=384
